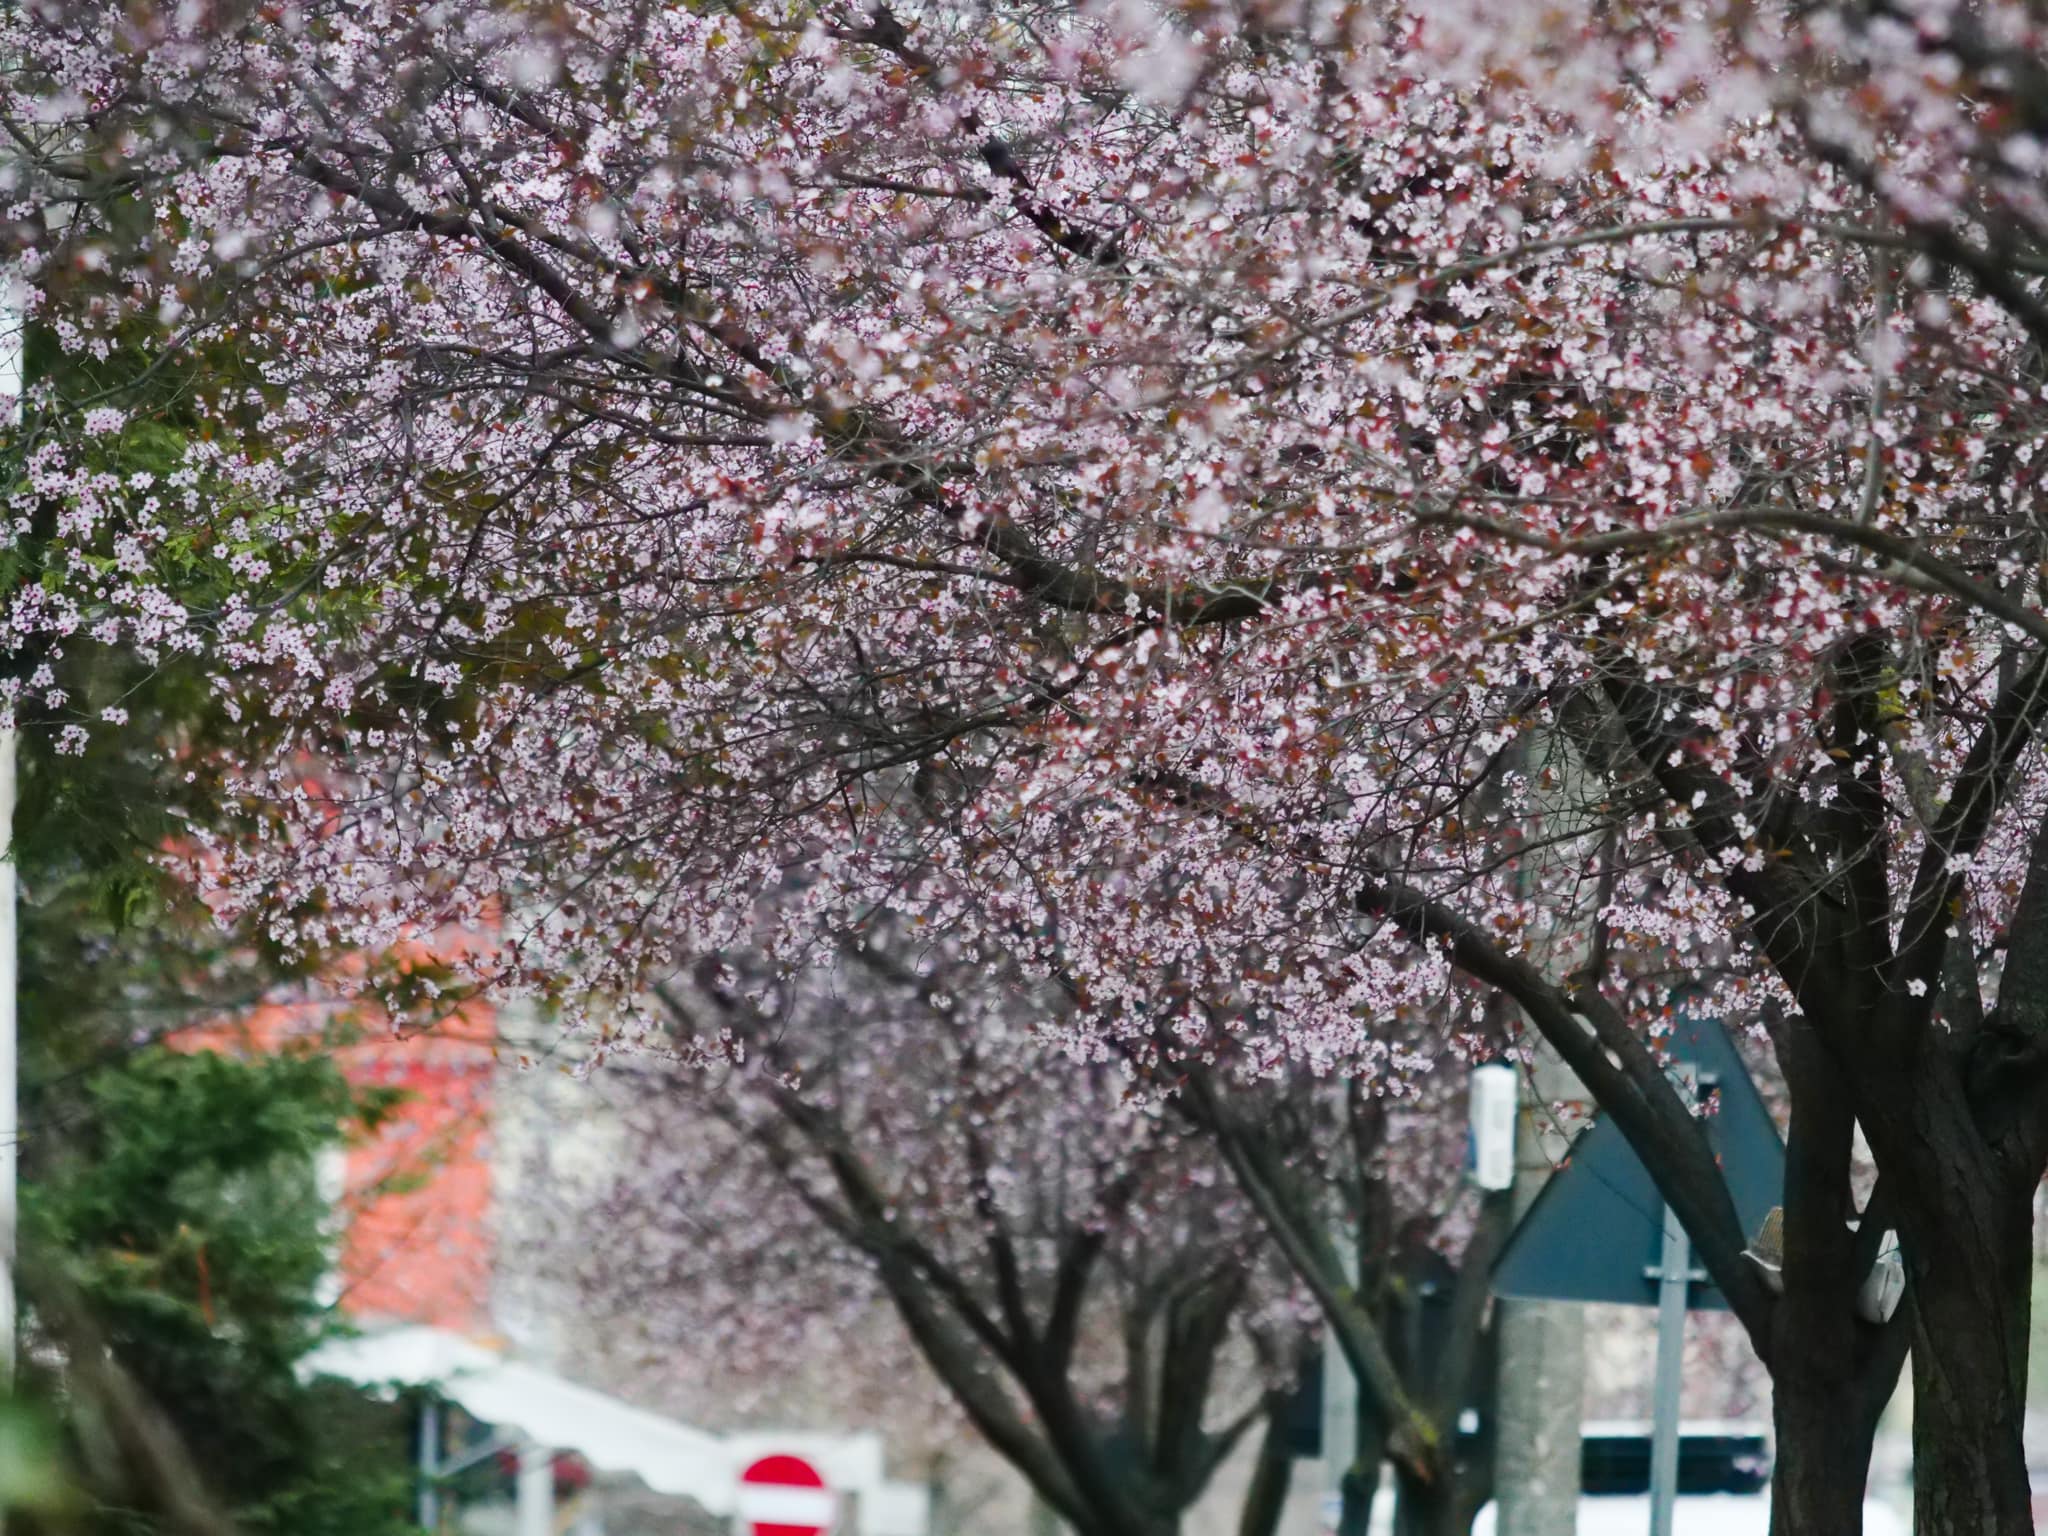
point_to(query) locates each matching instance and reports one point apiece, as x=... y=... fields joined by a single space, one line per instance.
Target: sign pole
x=430 y=1464
x=1673 y=1281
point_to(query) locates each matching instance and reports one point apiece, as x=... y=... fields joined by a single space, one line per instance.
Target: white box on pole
x=1492 y=1154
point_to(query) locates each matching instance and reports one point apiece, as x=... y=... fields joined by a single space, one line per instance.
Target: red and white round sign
x=786 y=1496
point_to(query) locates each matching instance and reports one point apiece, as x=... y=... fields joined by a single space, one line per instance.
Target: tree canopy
x=1281 y=516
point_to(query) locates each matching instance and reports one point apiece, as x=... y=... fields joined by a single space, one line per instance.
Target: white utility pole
x=10 y=1114
x=1542 y=1372
x=10 y=1109
x=1340 y=1401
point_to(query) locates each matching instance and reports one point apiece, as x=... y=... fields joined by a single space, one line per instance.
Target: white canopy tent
x=553 y=1414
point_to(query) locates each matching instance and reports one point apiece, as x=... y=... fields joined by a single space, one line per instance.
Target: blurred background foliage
x=175 y=1243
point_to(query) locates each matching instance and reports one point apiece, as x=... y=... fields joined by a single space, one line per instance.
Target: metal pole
x=1673 y=1281
x=1674 y=1291
x=430 y=1464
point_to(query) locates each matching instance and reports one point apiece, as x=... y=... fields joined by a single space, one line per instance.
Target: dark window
x=1620 y=1464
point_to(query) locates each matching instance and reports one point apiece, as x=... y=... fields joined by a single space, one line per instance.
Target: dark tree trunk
x=1265 y=1500
x=1831 y=1374
x=1429 y=1508
x=1967 y=1233
x=1360 y=1483
x=1969 y=1463
x=1969 y=1468
x=1823 y=1464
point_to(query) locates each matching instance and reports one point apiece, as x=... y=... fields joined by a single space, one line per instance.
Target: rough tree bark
x=1966 y=1228
x=1950 y=1101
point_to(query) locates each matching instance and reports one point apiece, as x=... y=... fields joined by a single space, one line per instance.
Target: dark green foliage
x=184 y=1216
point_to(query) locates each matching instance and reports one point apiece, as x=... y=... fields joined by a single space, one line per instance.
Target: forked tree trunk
x=1831 y=1373
x=1831 y=1376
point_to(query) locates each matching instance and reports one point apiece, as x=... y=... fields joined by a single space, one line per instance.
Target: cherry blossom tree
x=897 y=1129
x=1071 y=1266
x=1252 y=509
x=1362 y=1191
